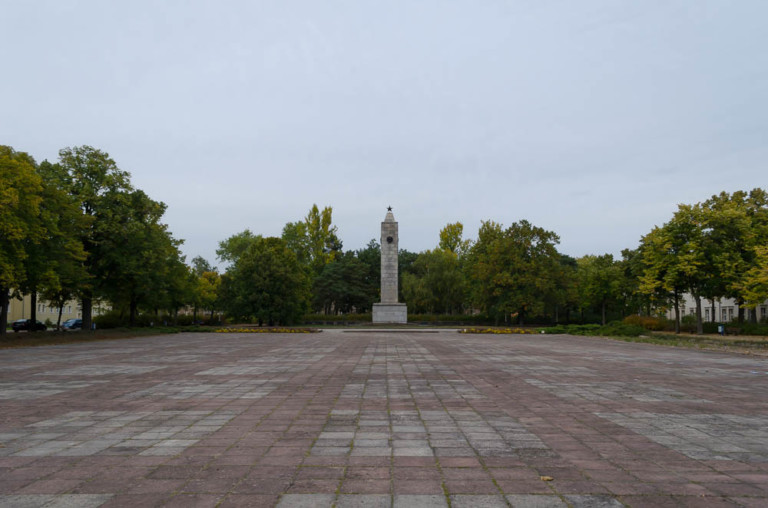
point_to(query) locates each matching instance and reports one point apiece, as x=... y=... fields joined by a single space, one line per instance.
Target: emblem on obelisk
x=389 y=310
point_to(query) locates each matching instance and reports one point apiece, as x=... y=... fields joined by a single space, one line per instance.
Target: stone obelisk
x=389 y=310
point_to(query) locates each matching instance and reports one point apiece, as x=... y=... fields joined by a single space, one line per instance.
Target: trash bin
x=721 y=329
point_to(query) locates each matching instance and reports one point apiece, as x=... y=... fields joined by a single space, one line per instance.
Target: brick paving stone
x=533 y=501
x=363 y=501
x=419 y=501
x=460 y=501
x=388 y=417
x=306 y=500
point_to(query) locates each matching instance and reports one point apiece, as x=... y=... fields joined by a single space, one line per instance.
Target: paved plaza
x=381 y=419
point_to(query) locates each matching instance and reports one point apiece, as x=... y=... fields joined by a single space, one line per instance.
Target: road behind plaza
x=390 y=418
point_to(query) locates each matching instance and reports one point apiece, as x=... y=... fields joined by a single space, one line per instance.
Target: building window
x=730 y=313
x=706 y=314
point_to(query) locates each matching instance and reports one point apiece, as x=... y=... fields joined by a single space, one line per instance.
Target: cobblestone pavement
x=380 y=419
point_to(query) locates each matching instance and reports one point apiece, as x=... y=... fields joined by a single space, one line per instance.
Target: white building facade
x=725 y=310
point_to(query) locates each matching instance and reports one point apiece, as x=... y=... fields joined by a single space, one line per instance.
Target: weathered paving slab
x=381 y=419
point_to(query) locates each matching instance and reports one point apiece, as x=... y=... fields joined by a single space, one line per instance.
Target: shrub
x=499 y=331
x=337 y=318
x=648 y=322
x=613 y=329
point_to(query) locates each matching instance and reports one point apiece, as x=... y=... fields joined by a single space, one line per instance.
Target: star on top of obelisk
x=389 y=208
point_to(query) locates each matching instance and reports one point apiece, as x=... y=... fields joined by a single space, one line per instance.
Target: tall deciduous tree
x=209 y=287
x=55 y=263
x=451 y=239
x=435 y=283
x=600 y=280
x=232 y=248
x=266 y=283
x=20 y=198
x=93 y=175
x=139 y=261
x=510 y=270
x=314 y=240
x=341 y=285
x=736 y=224
x=370 y=256
x=675 y=259
x=754 y=283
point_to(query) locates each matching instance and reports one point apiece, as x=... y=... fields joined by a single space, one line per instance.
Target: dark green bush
x=613 y=329
x=648 y=322
x=337 y=318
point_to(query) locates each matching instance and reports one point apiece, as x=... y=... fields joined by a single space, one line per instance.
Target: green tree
x=563 y=295
x=232 y=248
x=600 y=279
x=200 y=265
x=341 y=286
x=209 y=287
x=511 y=270
x=451 y=239
x=675 y=260
x=20 y=198
x=55 y=262
x=734 y=226
x=92 y=176
x=635 y=301
x=266 y=283
x=314 y=240
x=370 y=257
x=754 y=283
x=435 y=283
x=140 y=261
x=202 y=285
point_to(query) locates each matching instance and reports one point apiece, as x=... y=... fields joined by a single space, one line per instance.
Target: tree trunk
x=714 y=316
x=699 y=324
x=740 y=303
x=87 y=305
x=132 y=318
x=58 y=319
x=194 y=315
x=602 y=311
x=33 y=311
x=677 y=313
x=4 y=302
x=557 y=319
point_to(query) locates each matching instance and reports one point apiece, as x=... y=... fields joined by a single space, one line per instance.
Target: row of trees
x=711 y=250
x=77 y=228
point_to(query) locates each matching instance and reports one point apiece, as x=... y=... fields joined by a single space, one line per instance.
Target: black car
x=72 y=324
x=26 y=324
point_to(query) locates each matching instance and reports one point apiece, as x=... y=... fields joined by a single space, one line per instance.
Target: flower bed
x=267 y=330
x=500 y=331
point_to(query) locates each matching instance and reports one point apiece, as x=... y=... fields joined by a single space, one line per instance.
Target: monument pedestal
x=390 y=313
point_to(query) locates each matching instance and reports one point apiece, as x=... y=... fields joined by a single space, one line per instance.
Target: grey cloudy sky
x=589 y=118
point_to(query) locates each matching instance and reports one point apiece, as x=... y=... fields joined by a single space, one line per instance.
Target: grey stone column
x=389 y=310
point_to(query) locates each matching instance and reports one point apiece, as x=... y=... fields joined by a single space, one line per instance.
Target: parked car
x=26 y=324
x=72 y=324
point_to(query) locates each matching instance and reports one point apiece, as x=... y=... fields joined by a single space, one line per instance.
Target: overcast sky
x=592 y=119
